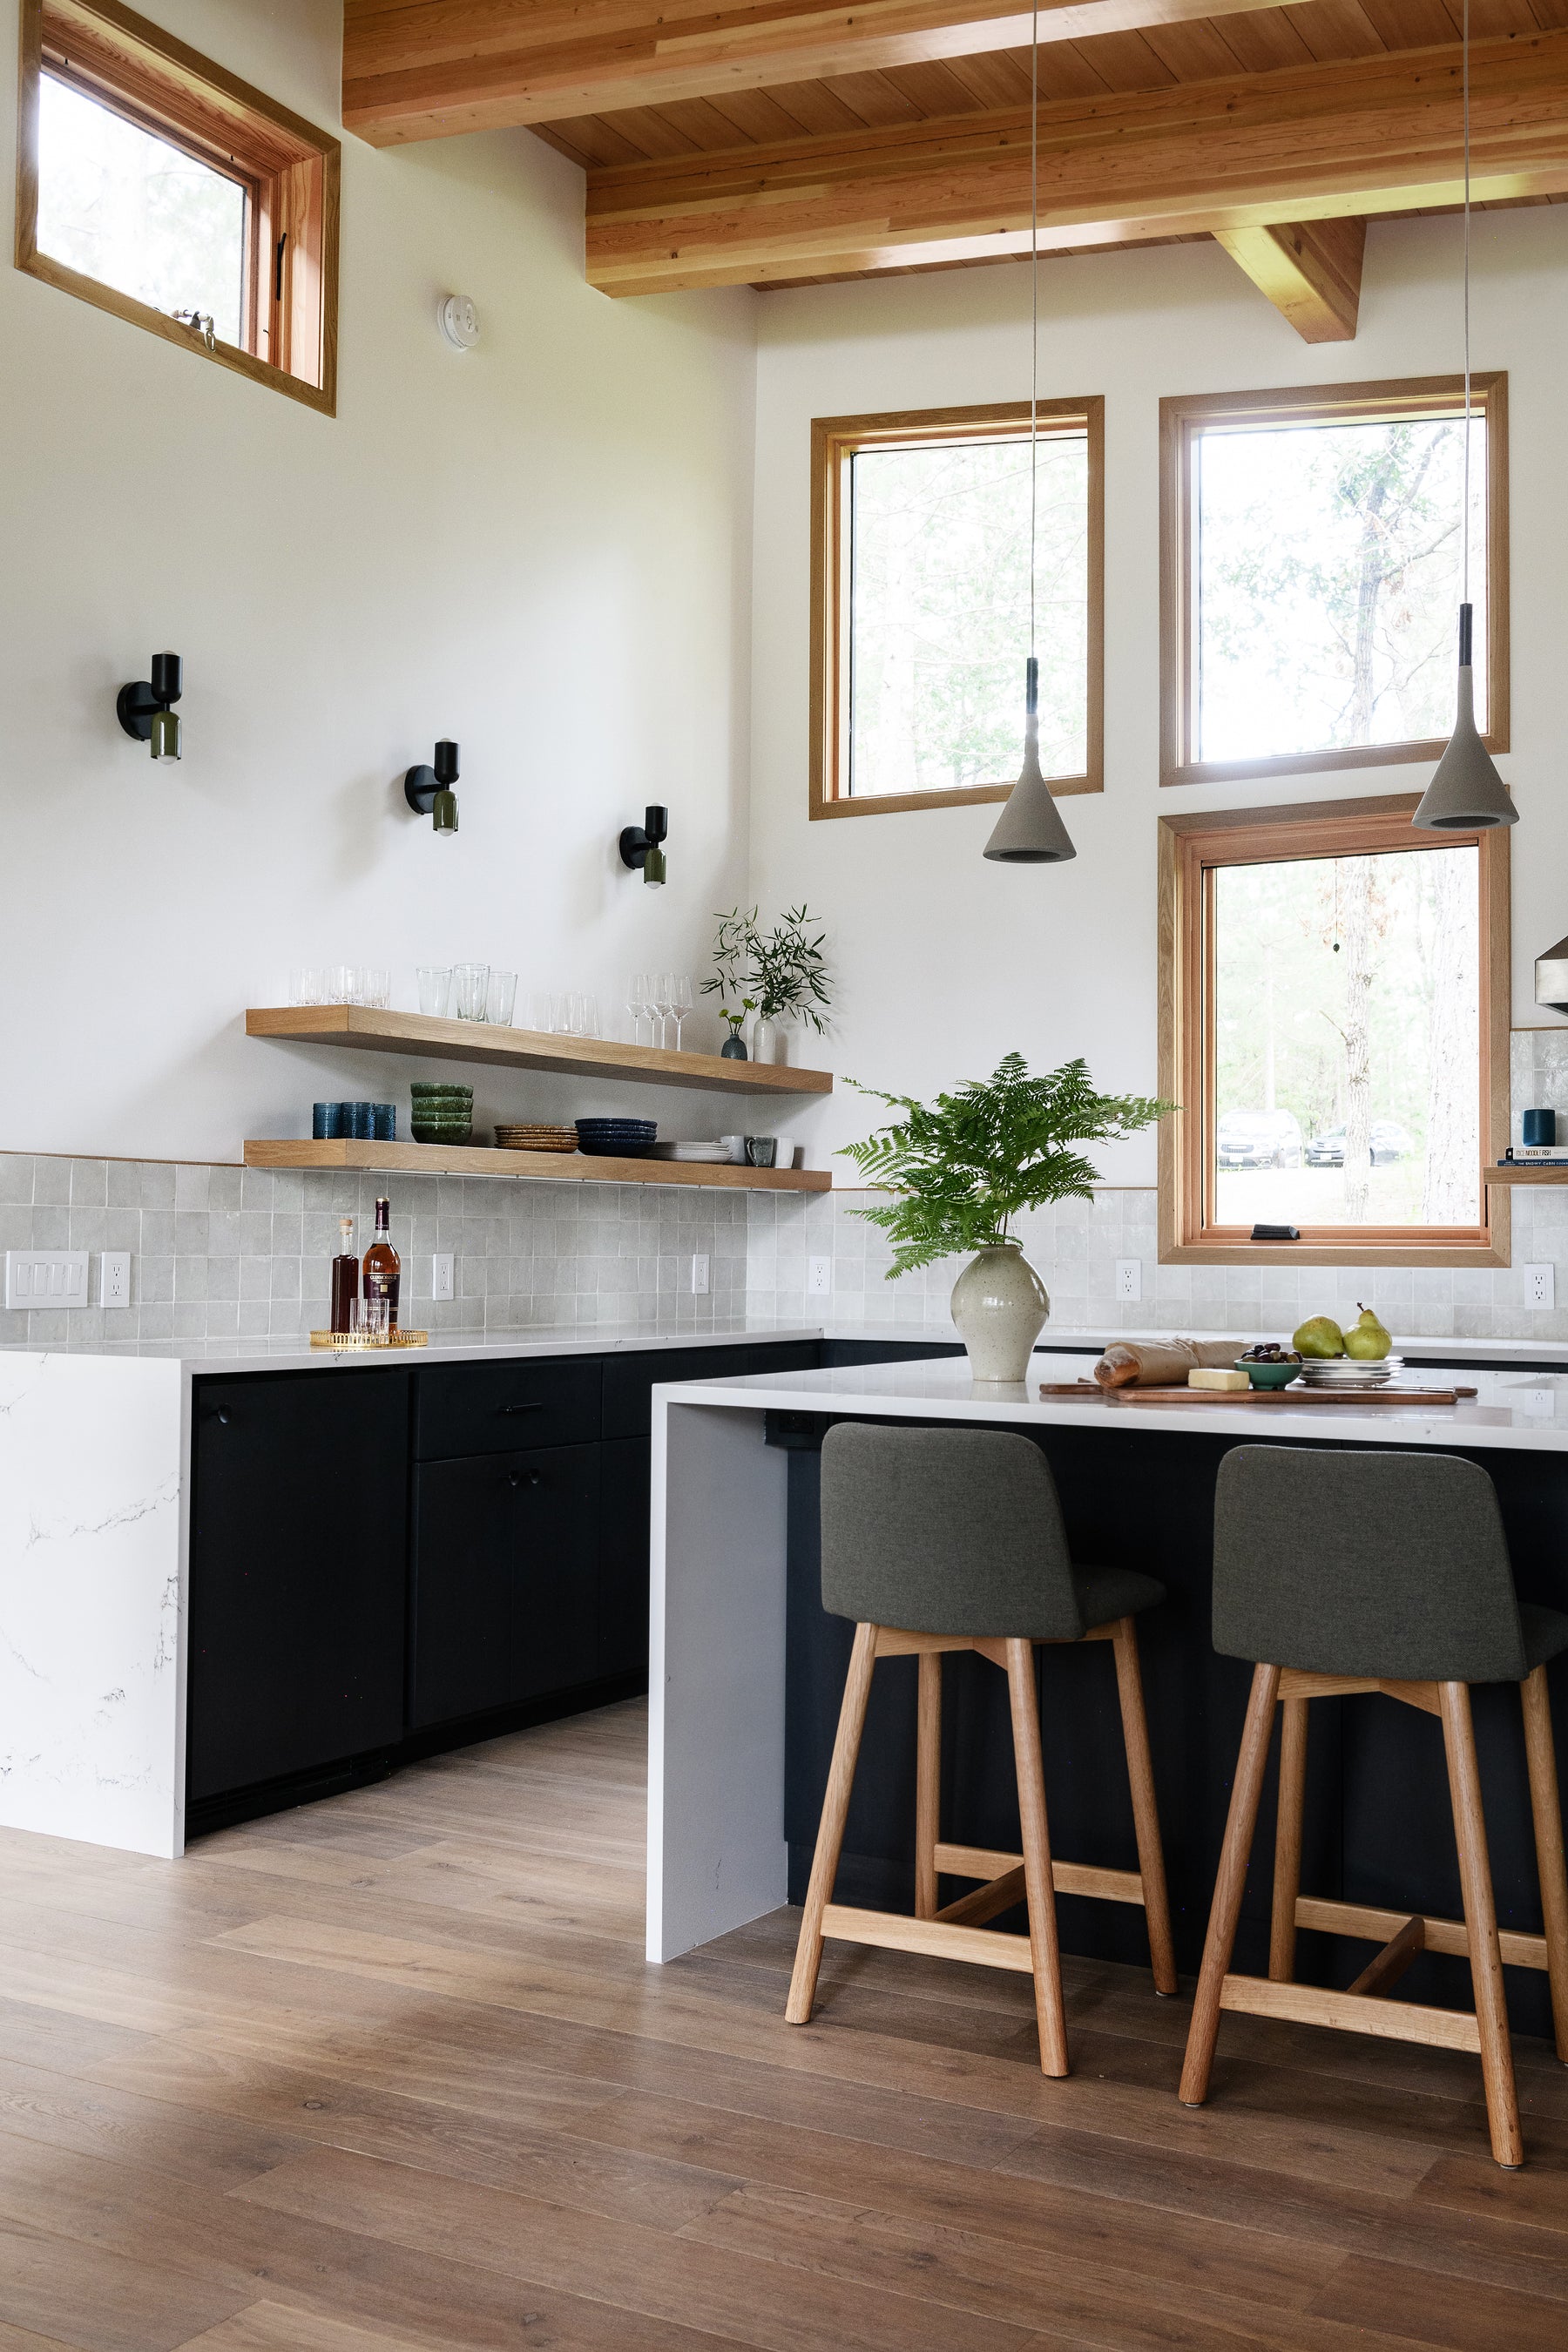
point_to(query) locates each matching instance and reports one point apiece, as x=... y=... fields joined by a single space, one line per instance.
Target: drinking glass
x=375 y=984
x=470 y=987
x=638 y=1005
x=680 y=1005
x=335 y=985
x=434 y=989
x=305 y=985
x=585 y=1015
x=540 y=1009
x=501 y=997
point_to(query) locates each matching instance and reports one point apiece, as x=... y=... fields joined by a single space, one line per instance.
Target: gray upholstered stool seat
x=939 y=1540
x=1338 y=1573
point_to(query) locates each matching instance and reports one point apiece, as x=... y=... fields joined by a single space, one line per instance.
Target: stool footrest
x=1394 y=2020
x=1358 y=1920
x=1068 y=1878
x=893 y=1932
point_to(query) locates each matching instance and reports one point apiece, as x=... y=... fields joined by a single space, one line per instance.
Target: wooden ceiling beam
x=1311 y=271
x=429 y=68
x=1308 y=143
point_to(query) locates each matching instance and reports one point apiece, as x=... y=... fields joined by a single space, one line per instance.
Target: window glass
x=1347 y=1040
x=939 y=628
x=1327 y=562
x=134 y=212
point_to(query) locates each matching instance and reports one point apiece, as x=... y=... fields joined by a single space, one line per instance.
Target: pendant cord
x=1035 y=297
x=1465 y=558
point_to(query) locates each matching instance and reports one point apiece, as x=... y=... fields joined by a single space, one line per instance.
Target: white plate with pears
x=1361 y=1357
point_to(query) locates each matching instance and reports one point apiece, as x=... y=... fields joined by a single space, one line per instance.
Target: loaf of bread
x=1160 y=1363
x=1215 y=1376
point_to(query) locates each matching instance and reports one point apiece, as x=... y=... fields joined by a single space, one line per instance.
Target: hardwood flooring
x=390 y=2075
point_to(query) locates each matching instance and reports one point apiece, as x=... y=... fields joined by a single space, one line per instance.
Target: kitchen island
x=746 y=1670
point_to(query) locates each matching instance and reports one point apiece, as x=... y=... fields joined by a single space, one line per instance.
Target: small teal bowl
x=1270 y=1375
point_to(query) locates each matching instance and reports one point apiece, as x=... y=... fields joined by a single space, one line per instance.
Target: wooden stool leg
x=830 y=1830
x=1288 y=1837
x=927 y=1784
x=1049 y=2014
x=1545 y=1805
x=1247 y=1792
x=1145 y=1810
x=1480 y=1923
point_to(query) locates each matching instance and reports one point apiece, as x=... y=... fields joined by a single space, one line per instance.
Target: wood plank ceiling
x=1279 y=129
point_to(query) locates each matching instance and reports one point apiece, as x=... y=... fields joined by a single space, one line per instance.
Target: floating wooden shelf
x=483 y=1160
x=1524 y=1175
x=525 y=1049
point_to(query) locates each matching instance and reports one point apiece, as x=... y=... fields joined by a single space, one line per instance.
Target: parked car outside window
x=1388 y=1142
x=1259 y=1138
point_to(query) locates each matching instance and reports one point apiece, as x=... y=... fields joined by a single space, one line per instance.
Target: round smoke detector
x=459 y=320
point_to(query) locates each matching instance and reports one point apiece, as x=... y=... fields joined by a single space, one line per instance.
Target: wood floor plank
x=284 y=2327
x=98 y=2300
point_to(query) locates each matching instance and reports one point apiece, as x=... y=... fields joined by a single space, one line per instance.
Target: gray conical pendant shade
x=1465 y=790
x=1029 y=830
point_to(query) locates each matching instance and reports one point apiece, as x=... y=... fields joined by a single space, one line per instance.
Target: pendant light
x=1465 y=790
x=1029 y=830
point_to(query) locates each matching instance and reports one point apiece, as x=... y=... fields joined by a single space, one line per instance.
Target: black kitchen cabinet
x=506 y=1567
x=298 y=1568
x=624 y=1483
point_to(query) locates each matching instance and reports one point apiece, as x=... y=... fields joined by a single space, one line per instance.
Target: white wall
x=946 y=963
x=542 y=549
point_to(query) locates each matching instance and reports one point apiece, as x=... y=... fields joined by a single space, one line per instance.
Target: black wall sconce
x=428 y=790
x=643 y=845
x=144 y=710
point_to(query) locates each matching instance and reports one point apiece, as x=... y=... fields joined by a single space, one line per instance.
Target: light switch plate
x=46 y=1279
x=1129 y=1277
x=114 y=1278
x=818 y=1277
x=699 y=1273
x=1539 y=1285
x=442 y=1275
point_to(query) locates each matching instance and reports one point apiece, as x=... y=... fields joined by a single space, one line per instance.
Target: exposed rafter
x=427 y=69
x=1370 y=135
x=1311 y=271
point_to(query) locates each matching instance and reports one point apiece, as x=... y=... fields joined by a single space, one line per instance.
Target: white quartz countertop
x=1518 y=1411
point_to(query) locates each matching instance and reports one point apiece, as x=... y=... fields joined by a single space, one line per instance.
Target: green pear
x=1367 y=1339
x=1319 y=1336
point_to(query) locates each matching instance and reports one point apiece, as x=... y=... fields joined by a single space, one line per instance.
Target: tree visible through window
x=921 y=604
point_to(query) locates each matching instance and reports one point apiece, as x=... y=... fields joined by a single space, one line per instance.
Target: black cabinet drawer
x=466 y=1409
x=630 y=1379
x=506 y=1561
x=298 y=1566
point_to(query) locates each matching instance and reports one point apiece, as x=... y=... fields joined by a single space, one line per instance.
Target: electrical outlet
x=442 y=1275
x=46 y=1279
x=699 y=1273
x=1540 y=1285
x=114 y=1278
x=818 y=1277
x=1129 y=1277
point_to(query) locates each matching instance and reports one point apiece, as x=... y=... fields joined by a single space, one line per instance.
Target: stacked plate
x=1347 y=1372
x=617 y=1139
x=707 y=1154
x=525 y=1137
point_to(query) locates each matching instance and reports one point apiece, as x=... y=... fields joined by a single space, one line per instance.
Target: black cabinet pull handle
x=536 y=1407
x=222 y=1416
x=517 y=1478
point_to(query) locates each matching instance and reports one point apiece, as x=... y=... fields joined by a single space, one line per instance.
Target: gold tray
x=364 y=1343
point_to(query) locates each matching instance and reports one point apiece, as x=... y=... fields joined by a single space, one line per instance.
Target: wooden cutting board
x=1086 y=1391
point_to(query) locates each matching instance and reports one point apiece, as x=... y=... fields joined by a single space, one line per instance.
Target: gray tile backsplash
x=223 y=1251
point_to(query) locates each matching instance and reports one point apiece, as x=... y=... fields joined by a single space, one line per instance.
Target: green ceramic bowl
x=441 y=1094
x=1270 y=1375
x=446 y=1133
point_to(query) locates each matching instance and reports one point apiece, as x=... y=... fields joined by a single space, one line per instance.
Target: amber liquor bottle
x=382 y=1266
x=345 y=1277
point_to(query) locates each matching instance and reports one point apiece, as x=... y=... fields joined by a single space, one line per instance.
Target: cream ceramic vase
x=999 y=1309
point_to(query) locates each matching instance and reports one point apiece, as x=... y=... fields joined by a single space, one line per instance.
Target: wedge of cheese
x=1214 y=1376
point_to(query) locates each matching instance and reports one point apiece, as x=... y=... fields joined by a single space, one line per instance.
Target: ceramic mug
x=784 y=1151
x=735 y=1145
x=760 y=1149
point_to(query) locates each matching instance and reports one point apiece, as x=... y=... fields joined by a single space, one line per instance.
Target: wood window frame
x=289 y=171
x=834 y=440
x=1182 y=421
x=1191 y=850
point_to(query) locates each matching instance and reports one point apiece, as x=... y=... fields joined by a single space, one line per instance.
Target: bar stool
x=934 y=1540
x=1338 y=1573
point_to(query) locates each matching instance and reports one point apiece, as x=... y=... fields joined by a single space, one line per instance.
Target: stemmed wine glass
x=638 y=1005
x=664 y=1002
x=681 y=1005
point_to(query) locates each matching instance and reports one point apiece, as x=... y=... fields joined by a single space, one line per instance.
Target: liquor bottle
x=382 y=1266
x=345 y=1277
